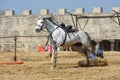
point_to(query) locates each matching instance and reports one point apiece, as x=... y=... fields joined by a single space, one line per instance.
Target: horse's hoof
x=53 y=68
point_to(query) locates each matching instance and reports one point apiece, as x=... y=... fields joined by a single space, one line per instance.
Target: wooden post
x=112 y=46
x=15 y=39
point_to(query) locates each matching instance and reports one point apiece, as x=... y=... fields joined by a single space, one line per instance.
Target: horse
x=79 y=40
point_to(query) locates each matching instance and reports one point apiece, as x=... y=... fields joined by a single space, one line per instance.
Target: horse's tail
x=88 y=37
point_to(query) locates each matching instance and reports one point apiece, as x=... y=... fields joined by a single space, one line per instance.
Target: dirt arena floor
x=37 y=66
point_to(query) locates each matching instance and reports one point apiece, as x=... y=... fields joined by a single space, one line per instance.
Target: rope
x=85 y=24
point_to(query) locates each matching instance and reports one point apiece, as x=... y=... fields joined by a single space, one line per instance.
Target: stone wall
x=23 y=25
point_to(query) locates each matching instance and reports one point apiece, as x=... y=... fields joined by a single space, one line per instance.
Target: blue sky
x=36 y=5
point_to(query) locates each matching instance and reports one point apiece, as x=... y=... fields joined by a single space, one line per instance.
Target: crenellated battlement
x=62 y=11
x=98 y=10
x=27 y=12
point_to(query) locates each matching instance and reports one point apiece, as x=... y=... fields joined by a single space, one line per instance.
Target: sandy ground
x=37 y=66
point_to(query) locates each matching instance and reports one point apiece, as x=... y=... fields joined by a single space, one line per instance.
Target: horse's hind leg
x=85 y=51
x=87 y=58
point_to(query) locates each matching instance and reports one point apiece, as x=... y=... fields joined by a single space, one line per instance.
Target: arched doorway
x=105 y=45
x=117 y=45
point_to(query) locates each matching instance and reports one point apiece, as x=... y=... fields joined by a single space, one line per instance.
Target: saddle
x=69 y=29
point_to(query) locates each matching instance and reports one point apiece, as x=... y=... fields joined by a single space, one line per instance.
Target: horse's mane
x=51 y=20
x=54 y=22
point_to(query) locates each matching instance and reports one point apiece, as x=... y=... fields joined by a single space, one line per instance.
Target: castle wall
x=23 y=25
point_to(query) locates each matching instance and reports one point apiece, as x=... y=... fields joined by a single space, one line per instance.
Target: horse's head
x=40 y=25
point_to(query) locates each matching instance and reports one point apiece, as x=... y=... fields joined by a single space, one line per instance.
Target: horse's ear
x=41 y=17
x=49 y=16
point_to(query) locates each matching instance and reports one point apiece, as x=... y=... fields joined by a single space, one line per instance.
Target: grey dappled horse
x=58 y=37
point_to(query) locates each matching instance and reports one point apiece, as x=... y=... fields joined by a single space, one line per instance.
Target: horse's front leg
x=54 y=58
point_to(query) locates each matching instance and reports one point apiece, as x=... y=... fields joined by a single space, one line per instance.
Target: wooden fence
x=15 y=42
